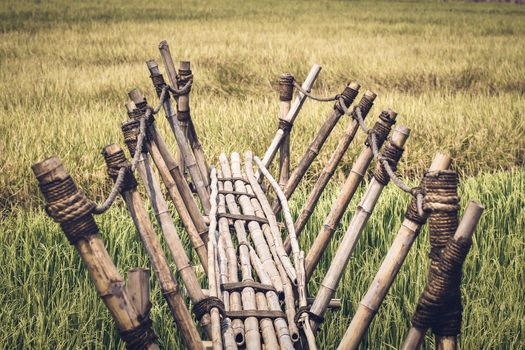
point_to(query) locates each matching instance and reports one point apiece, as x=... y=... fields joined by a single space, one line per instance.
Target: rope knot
x=204 y=307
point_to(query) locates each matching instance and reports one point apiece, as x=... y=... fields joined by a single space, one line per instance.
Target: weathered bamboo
x=138 y=98
x=465 y=230
x=339 y=206
x=77 y=223
x=281 y=327
x=252 y=336
x=130 y=130
x=227 y=330
x=285 y=97
x=256 y=234
x=359 y=220
x=391 y=265
x=115 y=159
x=303 y=303
x=329 y=169
x=189 y=201
x=138 y=289
x=290 y=117
x=348 y=95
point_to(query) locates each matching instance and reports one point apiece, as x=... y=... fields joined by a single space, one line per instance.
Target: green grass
x=453 y=71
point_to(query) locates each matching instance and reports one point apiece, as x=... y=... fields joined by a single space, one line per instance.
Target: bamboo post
x=391 y=265
x=285 y=97
x=160 y=84
x=138 y=289
x=140 y=102
x=346 y=193
x=115 y=159
x=386 y=120
x=392 y=152
x=69 y=207
x=252 y=336
x=348 y=95
x=290 y=117
x=464 y=232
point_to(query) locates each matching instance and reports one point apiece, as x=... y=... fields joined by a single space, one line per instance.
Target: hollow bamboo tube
x=189 y=201
x=348 y=95
x=252 y=336
x=285 y=99
x=303 y=303
x=115 y=158
x=289 y=298
x=384 y=278
x=138 y=98
x=256 y=234
x=290 y=117
x=232 y=270
x=328 y=172
x=138 y=289
x=345 y=249
x=281 y=327
x=332 y=220
x=173 y=192
x=108 y=282
x=465 y=230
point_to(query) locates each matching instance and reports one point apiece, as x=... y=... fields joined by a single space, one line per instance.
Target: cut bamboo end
x=354 y=86
x=49 y=169
x=153 y=67
x=184 y=65
x=370 y=95
x=400 y=136
x=136 y=96
x=441 y=161
x=469 y=221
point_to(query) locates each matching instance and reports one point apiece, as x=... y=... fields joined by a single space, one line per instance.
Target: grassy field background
x=454 y=71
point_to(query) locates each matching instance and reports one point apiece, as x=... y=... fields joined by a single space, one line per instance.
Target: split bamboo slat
x=115 y=159
x=407 y=234
x=359 y=220
x=346 y=193
x=347 y=97
x=66 y=205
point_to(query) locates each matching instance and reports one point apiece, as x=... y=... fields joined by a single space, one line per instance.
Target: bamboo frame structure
x=346 y=247
x=115 y=159
x=347 y=97
x=394 y=259
x=83 y=233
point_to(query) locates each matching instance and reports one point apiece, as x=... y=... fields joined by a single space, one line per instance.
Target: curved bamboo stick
x=384 y=278
x=345 y=249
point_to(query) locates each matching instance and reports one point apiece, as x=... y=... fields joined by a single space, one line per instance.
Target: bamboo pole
x=252 y=336
x=362 y=214
x=330 y=167
x=348 y=95
x=189 y=201
x=138 y=289
x=138 y=98
x=130 y=130
x=391 y=265
x=81 y=230
x=465 y=230
x=285 y=100
x=115 y=159
x=290 y=117
x=339 y=206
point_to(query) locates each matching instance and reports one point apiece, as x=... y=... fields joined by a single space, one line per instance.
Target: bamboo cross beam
x=290 y=118
x=346 y=193
x=115 y=159
x=382 y=128
x=130 y=131
x=464 y=233
x=140 y=102
x=285 y=99
x=407 y=234
x=69 y=207
x=347 y=97
x=392 y=152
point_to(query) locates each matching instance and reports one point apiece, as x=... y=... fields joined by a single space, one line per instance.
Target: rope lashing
x=205 y=305
x=389 y=157
x=313 y=97
x=117 y=162
x=312 y=316
x=141 y=336
x=286 y=84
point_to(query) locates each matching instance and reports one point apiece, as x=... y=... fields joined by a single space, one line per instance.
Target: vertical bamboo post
x=345 y=196
x=115 y=159
x=138 y=289
x=348 y=95
x=386 y=120
x=391 y=265
x=140 y=102
x=290 y=117
x=393 y=151
x=189 y=201
x=69 y=207
x=285 y=97
x=464 y=232
x=130 y=131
